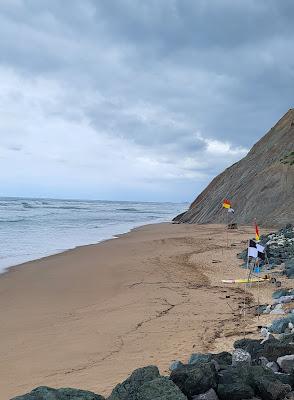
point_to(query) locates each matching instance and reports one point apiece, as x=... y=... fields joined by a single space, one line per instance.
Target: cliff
x=260 y=186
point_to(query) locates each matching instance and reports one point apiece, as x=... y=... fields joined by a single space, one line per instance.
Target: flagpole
x=258 y=293
x=248 y=253
x=227 y=228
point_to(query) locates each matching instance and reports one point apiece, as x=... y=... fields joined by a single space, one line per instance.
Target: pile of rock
x=255 y=370
x=279 y=248
x=283 y=303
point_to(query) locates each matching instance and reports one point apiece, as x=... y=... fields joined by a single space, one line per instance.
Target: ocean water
x=35 y=228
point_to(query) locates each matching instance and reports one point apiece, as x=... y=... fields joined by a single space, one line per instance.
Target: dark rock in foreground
x=46 y=393
x=195 y=379
x=127 y=390
x=160 y=388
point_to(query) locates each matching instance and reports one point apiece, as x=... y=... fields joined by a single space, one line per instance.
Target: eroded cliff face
x=260 y=186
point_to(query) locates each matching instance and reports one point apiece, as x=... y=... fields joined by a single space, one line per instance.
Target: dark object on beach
x=235 y=391
x=161 y=388
x=271 y=349
x=195 y=379
x=281 y=324
x=237 y=383
x=47 y=393
x=233 y=226
x=127 y=390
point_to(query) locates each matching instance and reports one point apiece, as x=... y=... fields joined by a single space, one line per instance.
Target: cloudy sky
x=137 y=99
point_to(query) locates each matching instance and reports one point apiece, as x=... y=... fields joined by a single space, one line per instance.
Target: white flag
x=252 y=252
x=259 y=248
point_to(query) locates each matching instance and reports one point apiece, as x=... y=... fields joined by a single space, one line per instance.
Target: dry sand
x=87 y=317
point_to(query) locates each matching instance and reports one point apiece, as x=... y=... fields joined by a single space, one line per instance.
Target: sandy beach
x=87 y=317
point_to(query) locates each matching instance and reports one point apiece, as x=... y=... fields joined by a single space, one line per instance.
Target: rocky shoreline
x=256 y=369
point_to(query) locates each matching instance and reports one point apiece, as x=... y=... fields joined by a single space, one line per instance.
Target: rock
x=276 y=348
x=241 y=357
x=235 y=383
x=289 y=396
x=286 y=363
x=47 y=393
x=279 y=325
x=273 y=366
x=260 y=309
x=127 y=390
x=199 y=357
x=262 y=382
x=159 y=389
x=289 y=268
x=287 y=379
x=284 y=299
x=263 y=361
x=175 y=365
x=253 y=346
x=235 y=391
x=286 y=339
x=271 y=390
x=210 y=395
x=265 y=384
x=267 y=309
x=278 y=310
x=223 y=359
x=279 y=293
x=195 y=379
x=271 y=349
x=264 y=332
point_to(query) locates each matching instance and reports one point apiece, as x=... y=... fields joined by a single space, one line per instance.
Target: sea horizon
x=35 y=227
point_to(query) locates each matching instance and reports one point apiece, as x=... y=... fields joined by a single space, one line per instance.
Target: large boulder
x=286 y=363
x=235 y=391
x=241 y=357
x=280 y=292
x=160 y=389
x=223 y=359
x=281 y=324
x=196 y=358
x=235 y=382
x=273 y=349
x=209 y=395
x=195 y=379
x=252 y=346
x=271 y=390
x=175 y=365
x=47 y=393
x=287 y=379
x=127 y=390
x=266 y=385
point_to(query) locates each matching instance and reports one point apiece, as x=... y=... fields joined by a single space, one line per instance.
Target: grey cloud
x=155 y=73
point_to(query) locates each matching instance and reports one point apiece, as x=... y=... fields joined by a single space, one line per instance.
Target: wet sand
x=87 y=317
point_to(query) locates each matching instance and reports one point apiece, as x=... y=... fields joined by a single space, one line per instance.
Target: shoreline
x=114 y=236
x=89 y=316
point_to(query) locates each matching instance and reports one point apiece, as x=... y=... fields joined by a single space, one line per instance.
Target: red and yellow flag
x=257 y=237
x=226 y=203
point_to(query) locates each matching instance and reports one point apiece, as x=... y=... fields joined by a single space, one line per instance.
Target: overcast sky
x=137 y=99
